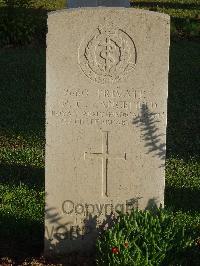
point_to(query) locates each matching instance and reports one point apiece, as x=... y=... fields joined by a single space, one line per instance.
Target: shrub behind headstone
x=24 y=21
x=18 y=3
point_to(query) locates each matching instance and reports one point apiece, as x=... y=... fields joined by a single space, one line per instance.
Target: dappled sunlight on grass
x=22 y=138
x=185 y=15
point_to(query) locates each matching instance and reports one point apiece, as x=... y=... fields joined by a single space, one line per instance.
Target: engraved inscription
x=108 y=55
x=111 y=107
x=104 y=155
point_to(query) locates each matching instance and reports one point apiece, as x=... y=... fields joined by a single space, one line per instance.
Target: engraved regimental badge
x=108 y=55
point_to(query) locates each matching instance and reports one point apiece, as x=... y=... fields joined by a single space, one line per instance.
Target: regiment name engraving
x=111 y=107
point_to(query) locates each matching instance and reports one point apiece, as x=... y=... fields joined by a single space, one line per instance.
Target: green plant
x=184 y=15
x=192 y=29
x=18 y=3
x=144 y=238
x=22 y=139
x=46 y=4
x=19 y=26
x=25 y=21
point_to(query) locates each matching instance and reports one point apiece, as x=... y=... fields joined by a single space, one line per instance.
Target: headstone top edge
x=131 y=10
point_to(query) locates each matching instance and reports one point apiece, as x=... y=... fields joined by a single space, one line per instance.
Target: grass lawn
x=22 y=127
x=56 y=4
x=185 y=14
x=175 y=8
x=22 y=96
x=22 y=137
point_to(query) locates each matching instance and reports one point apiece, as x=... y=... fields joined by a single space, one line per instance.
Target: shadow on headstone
x=61 y=231
x=152 y=205
x=182 y=198
x=148 y=126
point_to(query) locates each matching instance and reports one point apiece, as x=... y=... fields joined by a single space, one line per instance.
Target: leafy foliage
x=22 y=125
x=145 y=238
x=184 y=15
x=21 y=26
x=21 y=151
x=24 y=21
x=46 y=4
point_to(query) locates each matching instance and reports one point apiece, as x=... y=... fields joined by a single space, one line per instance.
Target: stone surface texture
x=106 y=115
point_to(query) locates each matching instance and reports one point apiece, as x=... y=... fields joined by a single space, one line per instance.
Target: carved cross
x=105 y=156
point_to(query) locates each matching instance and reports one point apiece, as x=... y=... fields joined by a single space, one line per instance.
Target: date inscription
x=117 y=107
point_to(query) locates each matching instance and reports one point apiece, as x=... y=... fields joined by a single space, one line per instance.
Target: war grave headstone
x=106 y=117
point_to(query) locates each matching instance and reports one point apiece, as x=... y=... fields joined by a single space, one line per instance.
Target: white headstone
x=106 y=113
